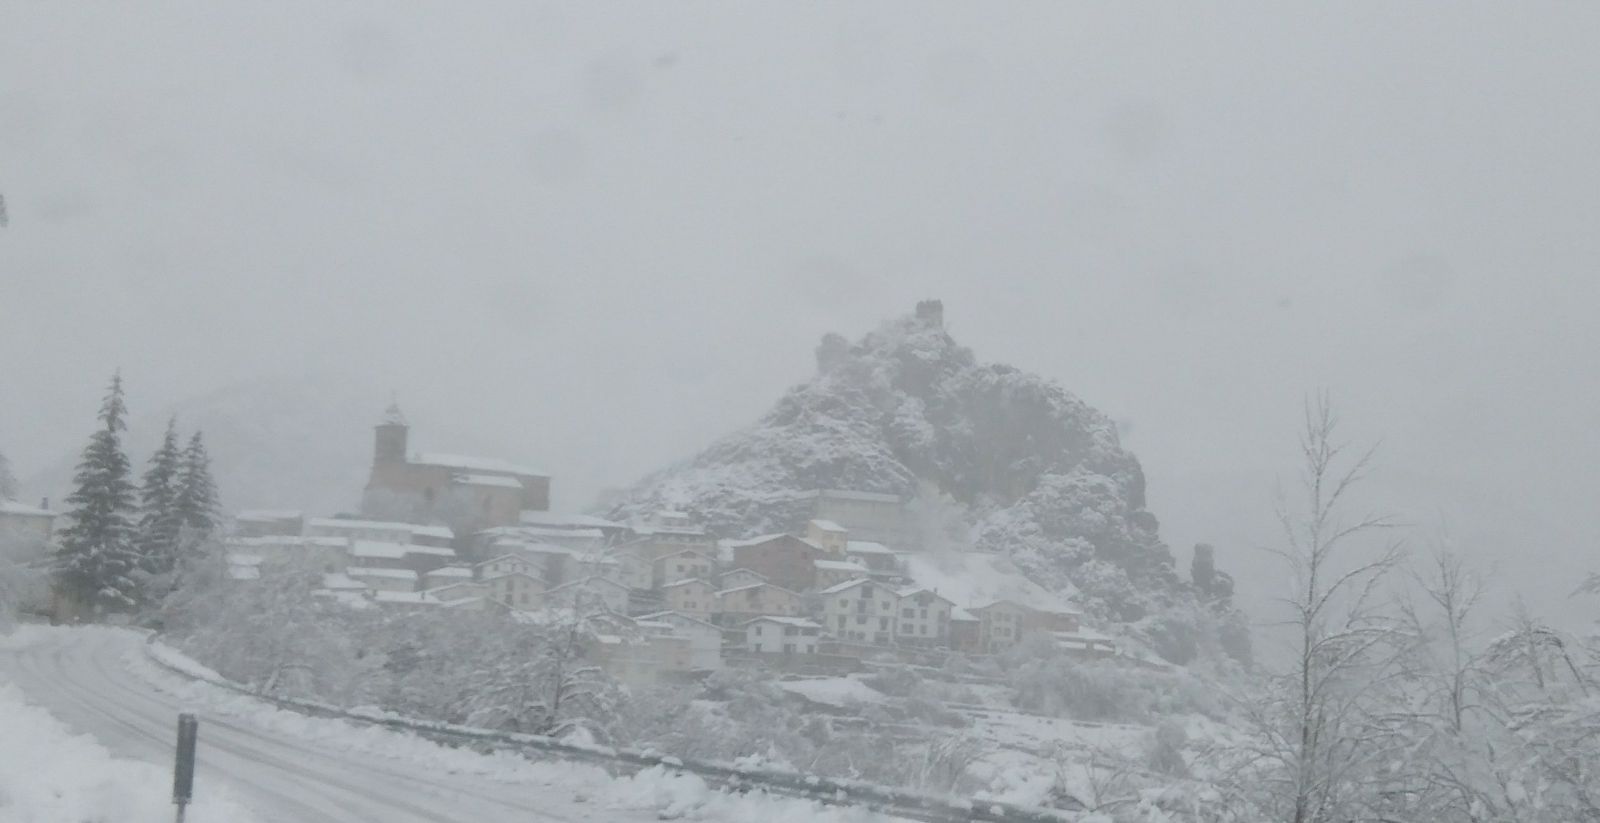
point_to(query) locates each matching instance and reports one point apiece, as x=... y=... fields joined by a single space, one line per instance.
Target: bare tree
x=1319 y=733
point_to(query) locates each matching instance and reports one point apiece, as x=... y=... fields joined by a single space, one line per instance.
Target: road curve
x=79 y=676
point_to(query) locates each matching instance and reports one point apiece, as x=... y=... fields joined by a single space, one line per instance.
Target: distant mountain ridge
x=1036 y=474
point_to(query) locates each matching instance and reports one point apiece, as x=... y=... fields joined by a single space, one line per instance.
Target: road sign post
x=183 y=768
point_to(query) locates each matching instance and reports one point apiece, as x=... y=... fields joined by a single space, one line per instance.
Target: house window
x=907 y=612
x=883 y=623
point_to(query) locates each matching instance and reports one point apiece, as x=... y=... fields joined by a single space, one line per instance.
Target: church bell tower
x=389 y=439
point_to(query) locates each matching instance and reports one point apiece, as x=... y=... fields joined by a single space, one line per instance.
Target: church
x=468 y=494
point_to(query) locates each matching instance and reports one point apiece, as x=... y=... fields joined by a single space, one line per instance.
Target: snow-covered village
x=840 y=413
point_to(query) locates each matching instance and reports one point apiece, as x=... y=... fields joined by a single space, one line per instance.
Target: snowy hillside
x=1036 y=476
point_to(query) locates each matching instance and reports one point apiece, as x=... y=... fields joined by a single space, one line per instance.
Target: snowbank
x=50 y=775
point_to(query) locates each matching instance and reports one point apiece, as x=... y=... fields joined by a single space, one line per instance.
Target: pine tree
x=160 y=522
x=196 y=500
x=96 y=560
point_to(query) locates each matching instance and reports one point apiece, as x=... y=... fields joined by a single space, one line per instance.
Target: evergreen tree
x=97 y=558
x=196 y=500
x=8 y=481
x=160 y=522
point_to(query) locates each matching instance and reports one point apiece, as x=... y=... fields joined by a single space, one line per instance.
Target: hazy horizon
x=597 y=237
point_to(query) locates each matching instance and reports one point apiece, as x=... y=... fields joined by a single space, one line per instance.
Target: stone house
x=783 y=559
x=692 y=597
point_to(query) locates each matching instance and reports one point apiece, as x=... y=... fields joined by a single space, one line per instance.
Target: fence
x=899 y=802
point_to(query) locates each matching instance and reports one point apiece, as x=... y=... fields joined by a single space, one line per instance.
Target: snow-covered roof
x=289 y=540
x=753 y=541
x=960 y=614
x=750 y=572
x=267 y=515
x=379 y=525
x=587 y=581
x=911 y=591
x=749 y=586
x=450 y=571
x=378 y=549
x=797 y=622
x=479 y=464
x=375 y=571
x=553 y=520
x=241 y=559
x=517 y=557
x=20 y=509
x=502 y=575
x=546 y=532
x=840 y=566
x=866 y=547
x=432 y=551
x=678 y=616
x=681 y=552
x=244 y=573
x=828 y=526
x=465 y=584
x=687 y=581
x=495 y=480
x=845 y=586
x=407 y=598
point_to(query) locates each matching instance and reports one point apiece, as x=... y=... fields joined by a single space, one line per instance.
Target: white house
x=924 y=617
x=519 y=590
x=781 y=635
x=862 y=611
x=705 y=639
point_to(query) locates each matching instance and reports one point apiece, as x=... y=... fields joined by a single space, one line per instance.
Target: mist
x=597 y=236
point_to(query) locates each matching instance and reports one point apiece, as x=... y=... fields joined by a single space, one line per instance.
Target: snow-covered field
x=48 y=774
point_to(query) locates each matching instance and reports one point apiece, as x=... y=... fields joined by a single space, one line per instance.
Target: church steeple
x=389 y=439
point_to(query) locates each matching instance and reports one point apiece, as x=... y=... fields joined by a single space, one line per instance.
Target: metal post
x=183 y=768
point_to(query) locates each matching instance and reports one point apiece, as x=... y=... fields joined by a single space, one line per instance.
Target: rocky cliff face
x=1036 y=474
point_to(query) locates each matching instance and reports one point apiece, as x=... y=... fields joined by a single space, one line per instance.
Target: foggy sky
x=603 y=234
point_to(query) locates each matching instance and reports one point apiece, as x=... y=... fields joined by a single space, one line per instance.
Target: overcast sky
x=606 y=233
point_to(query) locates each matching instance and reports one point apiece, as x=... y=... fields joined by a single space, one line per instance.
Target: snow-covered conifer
x=97 y=556
x=159 y=520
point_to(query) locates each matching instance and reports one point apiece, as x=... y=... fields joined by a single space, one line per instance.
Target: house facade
x=696 y=598
x=735 y=606
x=781 y=635
x=860 y=611
x=783 y=559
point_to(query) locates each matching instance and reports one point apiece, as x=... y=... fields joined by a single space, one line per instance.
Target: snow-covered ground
x=284 y=765
x=49 y=774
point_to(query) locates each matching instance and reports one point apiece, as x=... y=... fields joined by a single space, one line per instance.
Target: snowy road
x=80 y=677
